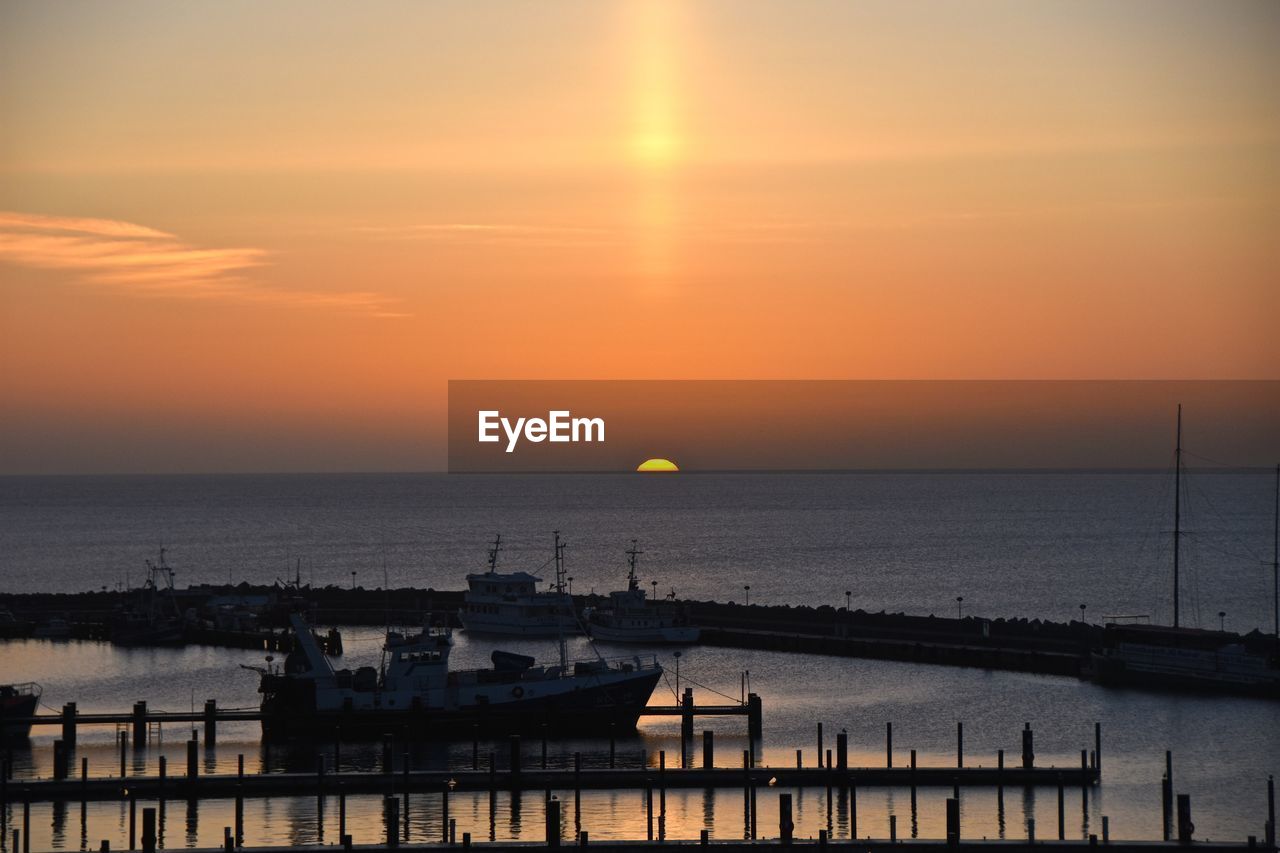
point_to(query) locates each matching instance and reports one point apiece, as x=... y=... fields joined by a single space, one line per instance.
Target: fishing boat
x=413 y=694
x=18 y=703
x=1181 y=658
x=630 y=616
x=511 y=604
x=152 y=619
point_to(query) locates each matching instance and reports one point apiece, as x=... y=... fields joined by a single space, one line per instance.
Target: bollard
x=785 y=823
x=1185 y=827
x=953 y=822
x=553 y=822
x=391 y=817
x=842 y=751
x=888 y=744
x=149 y=831
x=1028 y=747
x=709 y=750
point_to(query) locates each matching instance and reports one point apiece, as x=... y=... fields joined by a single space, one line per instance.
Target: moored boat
x=510 y=603
x=630 y=617
x=415 y=695
x=17 y=703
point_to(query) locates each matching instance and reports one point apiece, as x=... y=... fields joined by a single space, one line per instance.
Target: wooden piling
x=69 y=724
x=842 y=751
x=888 y=744
x=709 y=750
x=124 y=745
x=893 y=829
x=1028 y=747
x=755 y=717
x=953 y=822
x=819 y=746
x=59 y=760
x=553 y=822
x=193 y=761
x=1185 y=827
x=785 y=824
x=959 y=744
x=149 y=830
x=391 y=819
x=139 y=724
x=1062 y=813
x=210 y=722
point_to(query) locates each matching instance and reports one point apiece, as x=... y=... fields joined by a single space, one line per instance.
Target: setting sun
x=657 y=465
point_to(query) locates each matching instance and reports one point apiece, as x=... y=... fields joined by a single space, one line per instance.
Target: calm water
x=1034 y=544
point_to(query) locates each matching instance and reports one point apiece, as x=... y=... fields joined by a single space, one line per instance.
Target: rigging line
x=1222 y=464
x=1226 y=524
x=733 y=699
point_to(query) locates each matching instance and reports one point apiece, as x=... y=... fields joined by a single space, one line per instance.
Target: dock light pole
x=1082 y=607
x=746 y=589
x=353 y=580
x=655 y=590
x=959 y=606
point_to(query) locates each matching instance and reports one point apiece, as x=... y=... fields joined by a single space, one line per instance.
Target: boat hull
x=13 y=708
x=592 y=709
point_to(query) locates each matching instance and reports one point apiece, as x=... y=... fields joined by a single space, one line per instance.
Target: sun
x=657 y=465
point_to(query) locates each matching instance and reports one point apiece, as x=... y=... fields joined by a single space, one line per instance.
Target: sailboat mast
x=1177 y=512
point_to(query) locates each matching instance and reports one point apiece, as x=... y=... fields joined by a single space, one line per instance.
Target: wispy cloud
x=140 y=260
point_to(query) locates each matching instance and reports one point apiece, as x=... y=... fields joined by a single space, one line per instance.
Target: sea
x=1054 y=545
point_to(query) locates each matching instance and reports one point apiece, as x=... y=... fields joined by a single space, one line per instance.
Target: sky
x=263 y=237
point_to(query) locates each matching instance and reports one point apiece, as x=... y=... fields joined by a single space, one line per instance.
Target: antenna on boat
x=633 y=583
x=1177 y=511
x=493 y=553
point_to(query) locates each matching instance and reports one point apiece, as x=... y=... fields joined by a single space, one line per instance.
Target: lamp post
x=746 y=588
x=655 y=590
x=353 y=580
x=848 y=600
x=959 y=606
x=1222 y=620
x=1082 y=612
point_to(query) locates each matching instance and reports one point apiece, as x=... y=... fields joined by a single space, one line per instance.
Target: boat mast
x=564 y=657
x=493 y=553
x=633 y=583
x=1177 y=511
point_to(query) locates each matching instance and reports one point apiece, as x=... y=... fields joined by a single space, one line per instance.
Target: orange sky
x=238 y=237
